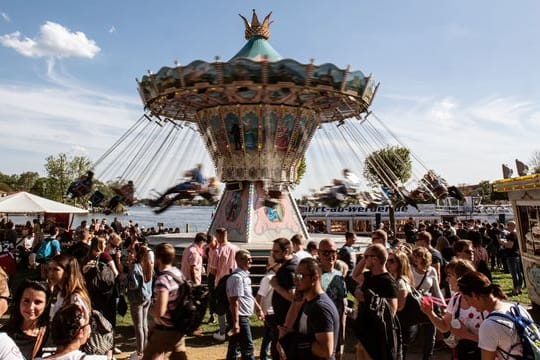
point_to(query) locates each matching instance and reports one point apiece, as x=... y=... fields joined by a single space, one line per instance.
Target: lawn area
x=505 y=281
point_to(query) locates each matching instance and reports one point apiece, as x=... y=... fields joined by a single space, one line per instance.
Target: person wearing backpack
x=501 y=334
x=100 y=273
x=165 y=337
x=47 y=249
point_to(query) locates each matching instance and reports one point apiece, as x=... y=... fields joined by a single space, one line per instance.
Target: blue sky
x=459 y=79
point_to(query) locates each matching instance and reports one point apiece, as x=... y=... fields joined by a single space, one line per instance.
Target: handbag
x=412 y=313
x=101 y=338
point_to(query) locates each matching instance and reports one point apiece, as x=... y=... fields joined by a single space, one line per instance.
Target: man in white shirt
x=298 y=247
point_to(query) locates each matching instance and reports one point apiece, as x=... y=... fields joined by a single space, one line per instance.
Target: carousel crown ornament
x=256 y=28
x=257 y=114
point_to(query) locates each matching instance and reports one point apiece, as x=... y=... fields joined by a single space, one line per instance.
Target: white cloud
x=49 y=120
x=53 y=41
x=5 y=17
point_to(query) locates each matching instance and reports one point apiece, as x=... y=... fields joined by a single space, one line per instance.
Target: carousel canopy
x=26 y=203
x=258 y=49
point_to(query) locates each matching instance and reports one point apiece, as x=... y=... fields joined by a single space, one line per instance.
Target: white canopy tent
x=26 y=203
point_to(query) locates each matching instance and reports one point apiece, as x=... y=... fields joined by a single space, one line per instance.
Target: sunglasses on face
x=391 y=260
x=299 y=276
x=328 y=252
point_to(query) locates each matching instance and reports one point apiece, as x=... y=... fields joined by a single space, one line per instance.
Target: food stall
x=524 y=194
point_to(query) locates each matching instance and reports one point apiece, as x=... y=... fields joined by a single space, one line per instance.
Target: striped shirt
x=166 y=282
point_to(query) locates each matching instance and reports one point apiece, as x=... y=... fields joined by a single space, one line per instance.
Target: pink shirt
x=192 y=256
x=224 y=260
x=212 y=252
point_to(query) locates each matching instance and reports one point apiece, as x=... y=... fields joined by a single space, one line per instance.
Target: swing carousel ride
x=256 y=114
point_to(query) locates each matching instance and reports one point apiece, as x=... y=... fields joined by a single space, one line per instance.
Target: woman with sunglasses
x=464 y=249
x=426 y=282
x=461 y=318
x=70 y=329
x=8 y=349
x=27 y=325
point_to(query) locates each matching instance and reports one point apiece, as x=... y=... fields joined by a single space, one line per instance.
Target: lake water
x=197 y=217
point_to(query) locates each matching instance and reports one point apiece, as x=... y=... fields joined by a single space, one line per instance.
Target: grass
x=505 y=281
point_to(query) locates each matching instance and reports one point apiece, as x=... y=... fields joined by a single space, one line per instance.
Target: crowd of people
x=436 y=282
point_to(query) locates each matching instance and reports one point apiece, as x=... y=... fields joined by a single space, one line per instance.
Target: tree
x=27 y=180
x=62 y=170
x=9 y=182
x=535 y=162
x=389 y=167
x=485 y=191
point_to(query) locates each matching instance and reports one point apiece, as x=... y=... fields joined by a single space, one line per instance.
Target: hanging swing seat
x=80 y=187
x=96 y=198
x=168 y=201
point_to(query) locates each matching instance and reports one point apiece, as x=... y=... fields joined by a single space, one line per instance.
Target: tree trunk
x=392 y=217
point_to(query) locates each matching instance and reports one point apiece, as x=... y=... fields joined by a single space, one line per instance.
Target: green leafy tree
x=27 y=180
x=388 y=167
x=62 y=170
x=42 y=187
x=5 y=187
x=9 y=181
x=485 y=191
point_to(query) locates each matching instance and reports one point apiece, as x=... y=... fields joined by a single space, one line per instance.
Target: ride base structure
x=257 y=114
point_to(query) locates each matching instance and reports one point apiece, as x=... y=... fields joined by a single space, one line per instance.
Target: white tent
x=25 y=203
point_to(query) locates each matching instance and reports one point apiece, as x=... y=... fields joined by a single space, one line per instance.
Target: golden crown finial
x=256 y=28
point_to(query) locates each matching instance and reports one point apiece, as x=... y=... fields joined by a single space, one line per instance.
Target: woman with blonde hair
x=399 y=266
x=426 y=282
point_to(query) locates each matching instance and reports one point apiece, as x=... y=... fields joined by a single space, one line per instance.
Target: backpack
x=101 y=338
x=44 y=251
x=99 y=277
x=527 y=330
x=378 y=329
x=220 y=296
x=191 y=303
